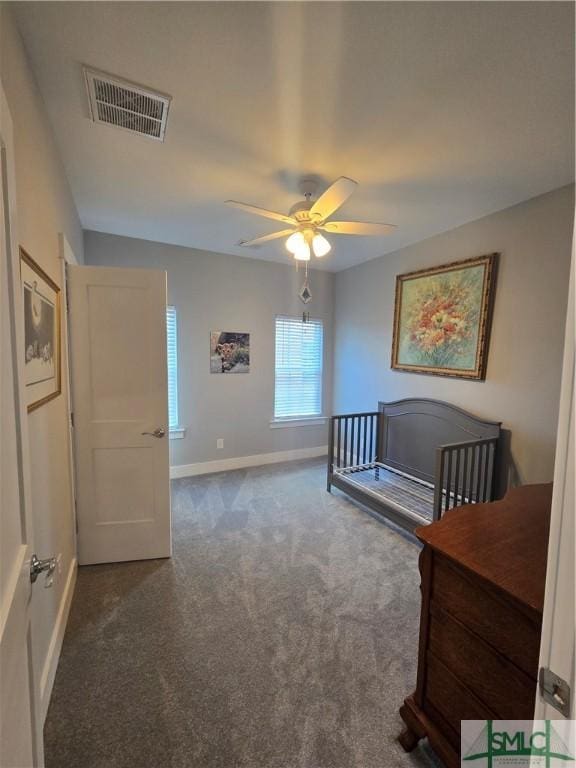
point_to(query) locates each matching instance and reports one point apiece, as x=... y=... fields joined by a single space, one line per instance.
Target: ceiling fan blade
x=335 y=196
x=261 y=212
x=265 y=238
x=357 y=228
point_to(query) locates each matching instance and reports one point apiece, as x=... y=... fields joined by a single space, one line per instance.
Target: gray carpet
x=282 y=634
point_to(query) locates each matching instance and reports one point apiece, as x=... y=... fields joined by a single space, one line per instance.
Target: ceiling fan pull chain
x=305 y=292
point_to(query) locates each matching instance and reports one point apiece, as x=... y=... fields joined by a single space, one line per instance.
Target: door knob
x=38 y=566
x=158 y=432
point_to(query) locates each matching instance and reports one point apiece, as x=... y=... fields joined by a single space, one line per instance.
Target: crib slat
x=371 y=454
x=352 y=435
x=338 y=446
x=437 y=509
x=493 y=471
x=487 y=473
x=480 y=473
x=448 y=482
x=457 y=478
x=465 y=477
x=345 y=442
x=472 y=465
x=480 y=470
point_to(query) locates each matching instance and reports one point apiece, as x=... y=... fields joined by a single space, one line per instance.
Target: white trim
x=66 y=252
x=302 y=421
x=53 y=654
x=240 y=462
x=67 y=256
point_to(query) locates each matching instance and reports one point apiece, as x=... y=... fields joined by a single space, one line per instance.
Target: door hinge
x=554 y=690
x=72 y=418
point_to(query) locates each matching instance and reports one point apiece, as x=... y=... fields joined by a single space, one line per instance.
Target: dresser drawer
x=489 y=676
x=501 y=624
x=445 y=694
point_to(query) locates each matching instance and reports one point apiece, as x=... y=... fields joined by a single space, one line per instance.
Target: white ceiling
x=444 y=112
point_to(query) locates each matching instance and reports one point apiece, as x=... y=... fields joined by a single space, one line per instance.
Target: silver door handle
x=38 y=566
x=158 y=432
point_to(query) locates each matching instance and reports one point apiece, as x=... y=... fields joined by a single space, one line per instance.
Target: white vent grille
x=125 y=105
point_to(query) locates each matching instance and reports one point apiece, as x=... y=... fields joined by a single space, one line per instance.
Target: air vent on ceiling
x=126 y=105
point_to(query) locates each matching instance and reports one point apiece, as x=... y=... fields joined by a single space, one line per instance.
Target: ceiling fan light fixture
x=302 y=252
x=306 y=218
x=320 y=246
x=295 y=241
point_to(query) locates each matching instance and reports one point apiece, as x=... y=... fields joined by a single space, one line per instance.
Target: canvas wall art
x=229 y=352
x=41 y=303
x=442 y=318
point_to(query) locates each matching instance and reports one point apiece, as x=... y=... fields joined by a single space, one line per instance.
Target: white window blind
x=298 y=387
x=172 y=334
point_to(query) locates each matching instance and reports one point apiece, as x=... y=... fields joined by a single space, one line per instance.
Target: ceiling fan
x=307 y=220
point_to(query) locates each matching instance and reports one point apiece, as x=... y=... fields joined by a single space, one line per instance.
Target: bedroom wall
x=44 y=209
x=524 y=364
x=213 y=291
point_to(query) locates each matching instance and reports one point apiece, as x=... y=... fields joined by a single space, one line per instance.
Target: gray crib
x=411 y=460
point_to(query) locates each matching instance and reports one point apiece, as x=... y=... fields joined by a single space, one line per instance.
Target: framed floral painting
x=442 y=318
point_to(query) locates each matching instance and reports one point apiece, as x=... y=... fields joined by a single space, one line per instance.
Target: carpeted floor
x=282 y=634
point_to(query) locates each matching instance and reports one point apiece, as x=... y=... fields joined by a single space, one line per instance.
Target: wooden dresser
x=483 y=569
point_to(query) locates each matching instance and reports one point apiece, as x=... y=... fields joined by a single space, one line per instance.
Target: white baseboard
x=240 y=462
x=53 y=655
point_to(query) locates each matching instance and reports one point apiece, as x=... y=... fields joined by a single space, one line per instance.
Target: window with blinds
x=298 y=383
x=172 y=335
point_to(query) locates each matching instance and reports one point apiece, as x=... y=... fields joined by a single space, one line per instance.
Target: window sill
x=177 y=433
x=306 y=421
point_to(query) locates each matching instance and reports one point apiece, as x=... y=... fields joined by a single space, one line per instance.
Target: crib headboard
x=413 y=428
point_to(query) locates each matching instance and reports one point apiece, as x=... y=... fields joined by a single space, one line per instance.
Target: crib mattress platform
x=410 y=495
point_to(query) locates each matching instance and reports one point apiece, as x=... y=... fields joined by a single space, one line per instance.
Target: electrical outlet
x=219 y=443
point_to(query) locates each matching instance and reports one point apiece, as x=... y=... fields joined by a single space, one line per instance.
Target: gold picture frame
x=442 y=318
x=42 y=333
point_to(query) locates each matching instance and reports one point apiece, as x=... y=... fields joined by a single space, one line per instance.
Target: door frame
x=21 y=414
x=48 y=674
x=557 y=646
x=68 y=257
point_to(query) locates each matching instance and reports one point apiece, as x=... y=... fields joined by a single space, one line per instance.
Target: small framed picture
x=442 y=318
x=41 y=303
x=229 y=352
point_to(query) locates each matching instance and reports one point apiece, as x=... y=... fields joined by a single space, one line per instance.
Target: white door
x=117 y=321
x=20 y=727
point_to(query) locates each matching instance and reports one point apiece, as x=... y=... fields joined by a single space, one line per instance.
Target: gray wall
x=212 y=291
x=523 y=377
x=44 y=209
